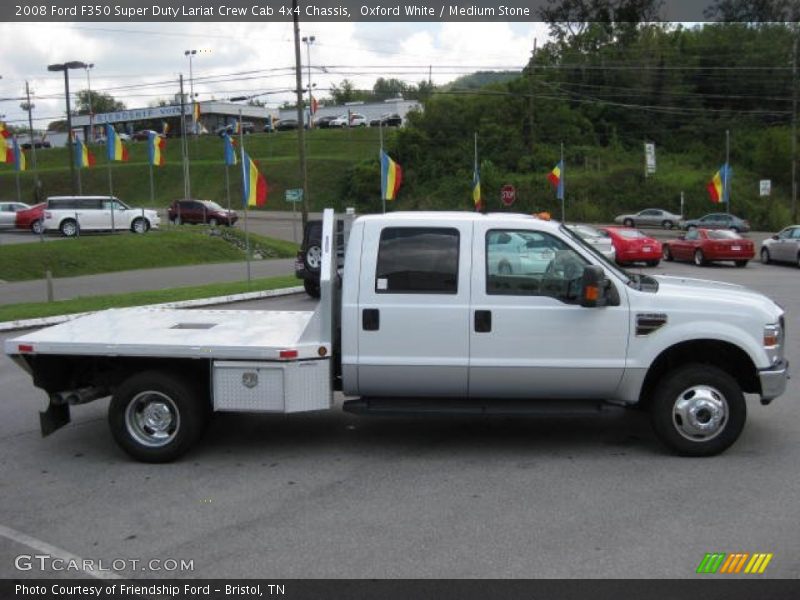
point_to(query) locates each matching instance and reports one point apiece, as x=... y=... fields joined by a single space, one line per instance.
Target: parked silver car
x=600 y=240
x=718 y=221
x=784 y=246
x=650 y=217
x=8 y=213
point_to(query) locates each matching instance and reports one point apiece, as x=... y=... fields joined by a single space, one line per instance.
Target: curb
x=55 y=320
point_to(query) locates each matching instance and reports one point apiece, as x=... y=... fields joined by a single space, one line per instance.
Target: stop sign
x=508 y=194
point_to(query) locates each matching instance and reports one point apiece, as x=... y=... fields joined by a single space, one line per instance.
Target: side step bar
x=475 y=407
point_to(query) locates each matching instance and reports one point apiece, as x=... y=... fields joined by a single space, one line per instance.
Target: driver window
x=531 y=263
x=692 y=234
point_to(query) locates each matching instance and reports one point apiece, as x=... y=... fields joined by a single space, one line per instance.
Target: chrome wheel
x=699 y=259
x=140 y=226
x=37 y=227
x=700 y=413
x=152 y=419
x=213 y=222
x=69 y=228
x=765 y=256
x=504 y=269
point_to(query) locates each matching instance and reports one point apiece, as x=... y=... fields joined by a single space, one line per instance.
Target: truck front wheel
x=698 y=410
x=156 y=417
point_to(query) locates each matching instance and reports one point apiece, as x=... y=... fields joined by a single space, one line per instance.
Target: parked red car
x=703 y=246
x=31 y=218
x=631 y=246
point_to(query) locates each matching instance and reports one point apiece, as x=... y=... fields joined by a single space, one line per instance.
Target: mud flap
x=54 y=418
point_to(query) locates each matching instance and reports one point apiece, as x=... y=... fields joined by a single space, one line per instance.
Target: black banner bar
x=730 y=588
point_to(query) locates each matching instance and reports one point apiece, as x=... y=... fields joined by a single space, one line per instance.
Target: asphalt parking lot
x=336 y=495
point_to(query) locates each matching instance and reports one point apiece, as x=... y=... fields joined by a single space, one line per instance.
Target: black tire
x=37 y=227
x=666 y=254
x=708 y=396
x=628 y=223
x=668 y=224
x=653 y=263
x=699 y=258
x=183 y=410
x=140 y=225
x=765 y=256
x=68 y=228
x=741 y=263
x=312 y=258
x=312 y=288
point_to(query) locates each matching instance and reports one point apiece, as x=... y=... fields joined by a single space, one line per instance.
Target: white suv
x=72 y=214
x=356 y=120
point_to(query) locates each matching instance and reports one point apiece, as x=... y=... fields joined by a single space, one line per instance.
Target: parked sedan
x=703 y=246
x=718 y=221
x=518 y=253
x=286 y=125
x=784 y=246
x=31 y=218
x=650 y=217
x=599 y=240
x=631 y=246
x=8 y=213
x=387 y=120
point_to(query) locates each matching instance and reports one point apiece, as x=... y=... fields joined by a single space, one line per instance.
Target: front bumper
x=773 y=380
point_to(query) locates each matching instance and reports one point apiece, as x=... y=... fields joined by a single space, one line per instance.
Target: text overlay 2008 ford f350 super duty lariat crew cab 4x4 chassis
x=433 y=313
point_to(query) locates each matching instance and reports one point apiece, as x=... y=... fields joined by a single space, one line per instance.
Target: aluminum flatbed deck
x=176 y=333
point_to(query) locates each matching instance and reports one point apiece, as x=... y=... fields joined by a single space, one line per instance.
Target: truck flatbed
x=175 y=333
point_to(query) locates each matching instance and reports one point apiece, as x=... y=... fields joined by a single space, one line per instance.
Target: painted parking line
x=53 y=552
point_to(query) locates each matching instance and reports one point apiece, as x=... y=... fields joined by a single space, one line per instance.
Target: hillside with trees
x=603 y=89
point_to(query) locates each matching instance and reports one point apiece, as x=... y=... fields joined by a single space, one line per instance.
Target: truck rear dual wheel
x=698 y=410
x=156 y=417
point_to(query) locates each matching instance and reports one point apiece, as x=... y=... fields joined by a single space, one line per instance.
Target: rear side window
x=417 y=260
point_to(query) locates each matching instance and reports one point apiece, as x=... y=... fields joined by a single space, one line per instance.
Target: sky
x=139 y=63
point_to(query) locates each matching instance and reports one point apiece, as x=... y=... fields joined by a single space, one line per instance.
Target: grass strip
x=32 y=310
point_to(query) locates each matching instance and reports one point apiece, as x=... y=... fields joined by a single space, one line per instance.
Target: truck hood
x=725 y=294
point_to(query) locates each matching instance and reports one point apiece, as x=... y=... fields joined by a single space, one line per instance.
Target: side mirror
x=775 y=237
x=596 y=289
x=682 y=236
x=593 y=286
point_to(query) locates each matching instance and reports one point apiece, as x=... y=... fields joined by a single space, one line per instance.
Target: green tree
x=100 y=103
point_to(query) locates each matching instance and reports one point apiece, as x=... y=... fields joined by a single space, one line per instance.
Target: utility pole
x=29 y=107
x=533 y=96
x=794 y=129
x=187 y=188
x=301 y=140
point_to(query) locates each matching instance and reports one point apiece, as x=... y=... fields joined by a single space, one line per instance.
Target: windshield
x=631 y=234
x=212 y=205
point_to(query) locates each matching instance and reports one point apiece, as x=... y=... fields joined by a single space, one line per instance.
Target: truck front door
x=413 y=323
x=529 y=336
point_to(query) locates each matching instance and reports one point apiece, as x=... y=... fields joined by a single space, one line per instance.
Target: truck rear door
x=529 y=336
x=413 y=324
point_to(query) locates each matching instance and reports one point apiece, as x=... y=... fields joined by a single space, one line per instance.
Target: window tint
x=692 y=234
x=417 y=260
x=631 y=234
x=723 y=234
x=796 y=233
x=531 y=263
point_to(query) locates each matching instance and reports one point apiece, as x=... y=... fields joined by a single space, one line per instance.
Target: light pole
x=91 y=110
x=308 y=40
x=190 y=54
x=75 y=64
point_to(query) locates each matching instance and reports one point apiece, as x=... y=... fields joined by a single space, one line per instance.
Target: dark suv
x=200 y=211
x=309 y=258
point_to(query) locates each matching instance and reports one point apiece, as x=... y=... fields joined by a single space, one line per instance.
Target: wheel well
x=58 y=373
x=723 y=355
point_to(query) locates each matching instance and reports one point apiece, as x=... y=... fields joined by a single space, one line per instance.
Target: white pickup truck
x=431 y=315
